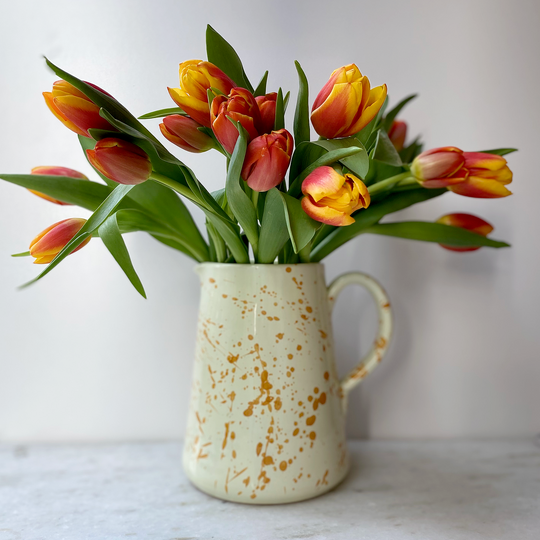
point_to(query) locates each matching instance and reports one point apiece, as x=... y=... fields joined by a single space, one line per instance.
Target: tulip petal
x=323 y=181
x=481 y=160
x=376 y=100
x=481 y=189
x=325 y=214
x=54 y=109
x=83 y=113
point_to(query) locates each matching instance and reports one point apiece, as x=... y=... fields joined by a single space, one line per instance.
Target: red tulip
x=48 y=243
x=488 y=176
x=439 y=167
x=267 y=108
x=346 y=103
x=267 y=159
x=196 y=77
x=331 y=198
x=121 y=161
x=74 y=109
x=240 y=105
x=183 y=131
x=55 y=171
x=398 y=133
x=465 y=221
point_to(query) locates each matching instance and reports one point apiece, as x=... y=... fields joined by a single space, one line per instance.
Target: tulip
x=47 y=244
x=398 y=133
x=240 y=105
x=488 y=176
x=267 y=108
x=267 y=159
x=196 y=77
x=121 y=161
x=183 y=131
x=439 y=167
x=465 y=221
x=331 y=198
x=55 y=171
x=74 y=109
x=346 y=103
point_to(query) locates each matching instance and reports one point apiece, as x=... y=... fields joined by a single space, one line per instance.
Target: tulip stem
x=255 y=200
x=174 y=185
x=402 y=179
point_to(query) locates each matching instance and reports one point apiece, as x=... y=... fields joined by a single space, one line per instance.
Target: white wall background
x=83 y=357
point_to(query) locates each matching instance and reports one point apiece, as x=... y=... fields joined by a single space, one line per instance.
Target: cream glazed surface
x=267 y=413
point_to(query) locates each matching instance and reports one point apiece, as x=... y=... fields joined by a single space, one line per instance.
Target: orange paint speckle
x=250 y=337
x=259 y=448
x=316 y=390
x=312 y=435
x=280 y=336
x=290 y=356
x=283 y=465
x=299 y=347
x=232 y=359
x=322 y=398
x=224 y=295
x=212 y=280
x=288 y=269
x=268 y=460
x=295 y=432
x=309 y=309
x=311 y=420
x=326 y=375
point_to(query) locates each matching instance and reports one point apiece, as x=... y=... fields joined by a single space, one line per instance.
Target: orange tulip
x=196 y=77
x=240 y=105
x=267 y=108
x=183 y=131
x=331 y=198
x=439 y=167
x=267 y=159
x=121 y=161
x=346 y=103
x=487 y=178
x=398 y=133
x=74 y=109
x=48 y=243
x=465 y=221
x=55 y=171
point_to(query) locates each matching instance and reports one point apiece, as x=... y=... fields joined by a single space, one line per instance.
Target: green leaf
x=221 y=54
x=23 y=254
x=106 y=208
x=162 y=112
x=301 y=114
x=391 y=116
x=434 y=232
x=499 y=151
x=110 y=234
x=261 y=87
x=366 y=133
x=274 y=230
x=300 y=226
x=331 y=238
x=83 y=193
x=358 y=163
x=385 y=151
x=286 y=101
x=326 y=159
x=410 y=152
x=303 y=156
x=279 y=122
x=217 y=242
x=239 y=202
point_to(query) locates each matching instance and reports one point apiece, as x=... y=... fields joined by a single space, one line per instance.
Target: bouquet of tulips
x=339 y=186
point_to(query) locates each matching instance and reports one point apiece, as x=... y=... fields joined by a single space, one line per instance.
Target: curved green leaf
x=221 y=54
x=384 y=151
x=391 y=115
x=301 y=113
x=357 y=163
x=499 y=151
x=279 y=122
x=110 y=234
x=160 y=113
x=426 y=231
x=261 y=87
x=274 y=231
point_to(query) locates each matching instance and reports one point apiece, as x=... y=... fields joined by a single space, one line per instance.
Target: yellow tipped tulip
x=331 y=198
x=346 y=103
x=48 y=243
x=468 y=222
x=55 y=171
x=196 y=77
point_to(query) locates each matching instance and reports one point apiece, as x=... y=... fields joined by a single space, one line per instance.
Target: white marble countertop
x=447 y=490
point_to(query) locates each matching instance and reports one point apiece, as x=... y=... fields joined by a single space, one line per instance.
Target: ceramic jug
x=267 y=413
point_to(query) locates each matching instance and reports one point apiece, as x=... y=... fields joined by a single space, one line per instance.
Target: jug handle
x=368 y=363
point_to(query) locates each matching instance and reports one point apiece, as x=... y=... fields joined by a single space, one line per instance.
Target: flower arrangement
x=340 y=186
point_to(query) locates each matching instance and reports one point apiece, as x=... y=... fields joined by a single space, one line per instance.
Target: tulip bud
x=397 y=134
x=267 y=159
x=196 y=77
x=346 y=103
x=74 y=109
x=488 y=176
x=55 y=171
x=331 y=198
x=439 y=167
x=183 y=131
x=465 y=221
x=121 y=161
x=267 y=108
x=240 y=106
x=47 y=244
